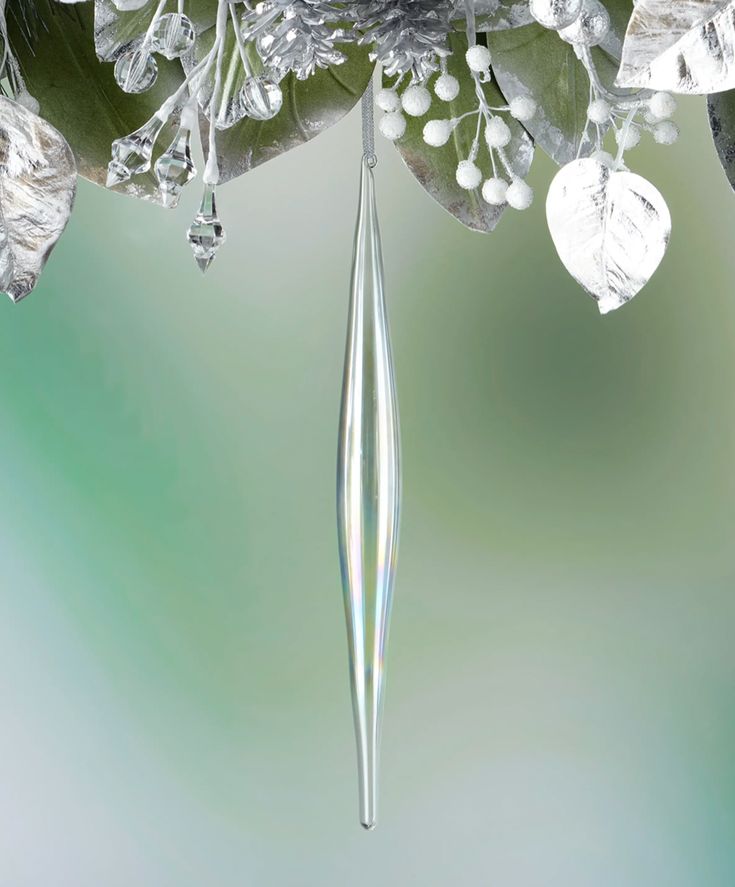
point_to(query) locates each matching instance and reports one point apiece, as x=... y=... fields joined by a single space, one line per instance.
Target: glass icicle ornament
x=175 y=168
x=368 y=486
x=131 y=155
x=206 y=234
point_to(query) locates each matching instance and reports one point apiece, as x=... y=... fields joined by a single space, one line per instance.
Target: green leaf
x=435 y=168
x=535 y=61
x=78 y=94
x=309 y=107
x=721 y=108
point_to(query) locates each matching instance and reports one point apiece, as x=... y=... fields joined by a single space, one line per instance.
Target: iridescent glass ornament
x=368 y=490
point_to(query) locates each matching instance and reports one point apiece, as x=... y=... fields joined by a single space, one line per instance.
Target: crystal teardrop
x=175 y=168
x=206 y=234
x=132 y=153
x=368 y=490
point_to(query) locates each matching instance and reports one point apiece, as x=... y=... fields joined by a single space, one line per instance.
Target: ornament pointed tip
x=369 y=826
x=204 y=263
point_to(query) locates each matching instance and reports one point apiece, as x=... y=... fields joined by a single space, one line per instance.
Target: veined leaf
x=78 y=93
x=687 y=46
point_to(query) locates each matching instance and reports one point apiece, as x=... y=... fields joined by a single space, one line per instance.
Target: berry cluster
x=586 y=24
x=502 y=185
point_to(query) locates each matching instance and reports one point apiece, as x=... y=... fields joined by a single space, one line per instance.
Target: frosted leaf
x=37 y=181
x=685 y=47
x=610 y=228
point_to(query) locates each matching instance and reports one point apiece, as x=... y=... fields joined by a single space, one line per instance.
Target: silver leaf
x=610 y=228
x=497 y=15
x=38 y=178
x=687 y=46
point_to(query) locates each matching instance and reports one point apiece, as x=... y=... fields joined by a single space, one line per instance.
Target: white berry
x=666 y=132
x=662 y=105
x=478 y=58
x=632 y=137
x=519 y=194
x=605 y=158
x=494 y=191
x=599 y=111
x=392 y=125
x=469 y=175
x=437 y=132
x=523 y=108
x=497 y=133
x=416 y=101
x=388 y=100
x=446 y=87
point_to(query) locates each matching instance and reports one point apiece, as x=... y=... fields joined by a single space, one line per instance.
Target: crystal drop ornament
x=261 y=98
x=206 y=234
x=136 y=71
x=175 y=168
x=368 y=490
x=131 y=155
x=173 y=35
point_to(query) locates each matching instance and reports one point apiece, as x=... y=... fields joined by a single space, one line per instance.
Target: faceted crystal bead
x=131 y=154
x=206 y=234
x=173 y=35
x=261 y=98
x=136 y=71
x=175 y=168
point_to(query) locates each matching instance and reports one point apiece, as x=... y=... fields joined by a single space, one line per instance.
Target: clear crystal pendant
x=173 y=35
x=174 y=168
x=261 y=98
x=131 y=154
x=136 y=71
x=368 y=489
x=206 y=234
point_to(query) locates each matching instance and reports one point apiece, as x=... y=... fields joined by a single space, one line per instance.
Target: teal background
x=174 y=707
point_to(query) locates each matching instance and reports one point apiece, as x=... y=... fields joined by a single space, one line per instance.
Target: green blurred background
x=173 y=678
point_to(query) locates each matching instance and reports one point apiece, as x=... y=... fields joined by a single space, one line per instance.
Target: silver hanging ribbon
x=368 y=480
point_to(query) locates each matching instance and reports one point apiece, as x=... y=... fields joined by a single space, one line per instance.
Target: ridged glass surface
x=368 y=490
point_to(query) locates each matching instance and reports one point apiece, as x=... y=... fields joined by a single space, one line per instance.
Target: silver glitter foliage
x=301 y=35
x=406 y=35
